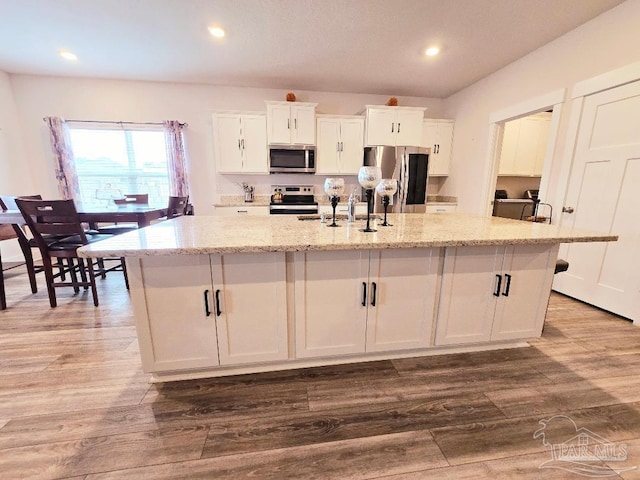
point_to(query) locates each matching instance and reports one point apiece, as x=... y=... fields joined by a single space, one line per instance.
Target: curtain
x=176 y=158
x=65 y=167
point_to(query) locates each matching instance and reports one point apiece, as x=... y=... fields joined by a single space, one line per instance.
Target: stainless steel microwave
x=294 y=159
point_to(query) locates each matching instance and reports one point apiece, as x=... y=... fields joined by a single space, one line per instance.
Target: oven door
x=289 y=209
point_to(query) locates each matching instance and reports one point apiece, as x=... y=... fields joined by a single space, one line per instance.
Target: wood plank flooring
x=75 y=404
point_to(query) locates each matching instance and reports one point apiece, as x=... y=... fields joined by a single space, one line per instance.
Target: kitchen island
x=220 y=296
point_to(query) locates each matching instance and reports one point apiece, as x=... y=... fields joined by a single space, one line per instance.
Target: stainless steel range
x=292 y=200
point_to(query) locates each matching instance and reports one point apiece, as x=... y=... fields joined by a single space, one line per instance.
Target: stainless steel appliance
x=409 y=166
x=292 y=200
x=294 y=159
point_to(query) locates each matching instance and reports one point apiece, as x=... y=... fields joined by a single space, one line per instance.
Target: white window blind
x=112 y=162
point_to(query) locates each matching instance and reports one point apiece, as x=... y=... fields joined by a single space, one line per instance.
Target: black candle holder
x=334 y=204
x=385 y=203
x=369 y=194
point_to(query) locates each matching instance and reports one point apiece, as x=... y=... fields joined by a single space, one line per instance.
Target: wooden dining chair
x=46 y=218
x=118 y=228
x=177 y=206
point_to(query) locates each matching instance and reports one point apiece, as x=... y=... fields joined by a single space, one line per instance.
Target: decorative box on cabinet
x=394 y=126
x=201 y=311
x=240 y=143
x=494 y=293
x=349 y=302
x=437 y=135
x=340 y=145
x=291 y=123
x=524 y=145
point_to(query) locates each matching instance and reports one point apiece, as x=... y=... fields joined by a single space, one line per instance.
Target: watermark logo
x=579 y=450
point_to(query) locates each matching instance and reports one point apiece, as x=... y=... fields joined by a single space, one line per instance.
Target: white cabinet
x=437 y=135
x=340 y=145
x=200 y=311
x=250 y=303
x=349 y=302
x=494 y=293
x=291 y=123
x=395 y=126
x=242 y=210
x=240 y=143
x=524 y=145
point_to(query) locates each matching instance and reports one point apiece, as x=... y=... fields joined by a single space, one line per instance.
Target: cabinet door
x=303 y=118
x=543 y=140
x=467 y=303
x=381 y=128
x=525 y=293
x=330 y=317
x=442 y=159
x=401 y=310
x=250 y=291
x=352 y=146
x=254 y=144
x=429 y=136
x=279 y=123
x=182 y=335
x=227 y=143
x=328 y=146
x=509 y=148
x=527 y=149
x=409 y=127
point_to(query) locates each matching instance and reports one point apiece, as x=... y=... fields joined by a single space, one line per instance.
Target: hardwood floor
x=74 y=403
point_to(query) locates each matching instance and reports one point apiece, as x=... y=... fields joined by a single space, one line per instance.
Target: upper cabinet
x=395 y=126
x=240 y=143
x=291 y=123
x=437 y=134
x=340 y=145
x=524 y=145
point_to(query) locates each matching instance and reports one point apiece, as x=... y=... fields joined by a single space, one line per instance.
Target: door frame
x=552 y=100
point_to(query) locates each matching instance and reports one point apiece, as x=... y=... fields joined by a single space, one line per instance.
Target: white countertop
x=190 y=235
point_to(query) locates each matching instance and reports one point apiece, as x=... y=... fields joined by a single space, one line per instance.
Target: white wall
x=607 y=42
x=91 y=99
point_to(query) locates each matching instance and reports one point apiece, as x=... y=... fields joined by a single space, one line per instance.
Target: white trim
x=628 y=73
x=528 y=107
x=549 y=155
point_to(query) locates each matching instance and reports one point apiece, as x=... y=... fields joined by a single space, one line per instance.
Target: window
x=112 y=162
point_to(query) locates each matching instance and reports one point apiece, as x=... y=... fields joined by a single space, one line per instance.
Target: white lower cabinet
x=349 y=302
x=208 y=310
x=494 y=293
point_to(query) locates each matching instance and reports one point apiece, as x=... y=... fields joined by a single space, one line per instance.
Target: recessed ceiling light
x=67 y=55
x=217 y=32
x=432 y=51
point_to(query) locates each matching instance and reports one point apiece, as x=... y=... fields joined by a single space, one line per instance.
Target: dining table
x=142 y=214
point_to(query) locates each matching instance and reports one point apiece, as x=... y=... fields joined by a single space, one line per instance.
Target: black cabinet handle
x=398 y=127
x=364 y=294
x=391 y=127
x=508 y=286
x=218 y=311
x=295 y=123
x=374 y=288
x=288 y=124
x=206 y=303
x=497 y=292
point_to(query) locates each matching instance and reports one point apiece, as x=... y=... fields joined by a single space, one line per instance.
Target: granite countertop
x=260 y=200
x=277 y=233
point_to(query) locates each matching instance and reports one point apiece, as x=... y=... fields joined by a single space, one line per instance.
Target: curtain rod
x=117 y=123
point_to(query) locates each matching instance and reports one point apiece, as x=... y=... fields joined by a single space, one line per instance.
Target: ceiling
x=358 y=46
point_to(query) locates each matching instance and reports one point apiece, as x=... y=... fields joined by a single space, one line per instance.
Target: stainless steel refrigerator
x=409 y=166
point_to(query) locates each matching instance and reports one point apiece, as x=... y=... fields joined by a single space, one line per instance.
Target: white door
x=183 y=335
x=381 y=129
x=351 y=146
x=467 y=296
x=249 y=302
x=279 y=123
x=603 y=190
x=330 y=302
x=328 y=146
x=527 y=273
x=254 y=144
x=304 y=124
x=402 y=292
x=409 y=127
x=227 y=143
